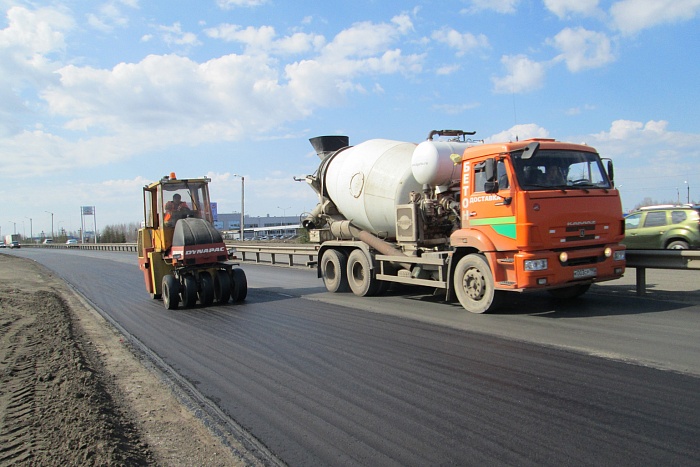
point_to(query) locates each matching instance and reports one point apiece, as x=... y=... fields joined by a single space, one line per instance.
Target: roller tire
x=222 y=287
x=206 y=289
x=239 y=285
x=171 y=292
x=188 y=291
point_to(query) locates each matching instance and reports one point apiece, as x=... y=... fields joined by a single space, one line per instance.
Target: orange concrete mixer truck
x=476 y=220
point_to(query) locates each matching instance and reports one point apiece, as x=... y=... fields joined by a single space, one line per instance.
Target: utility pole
x=51 y=223
x=31 y=231
x=242 y=205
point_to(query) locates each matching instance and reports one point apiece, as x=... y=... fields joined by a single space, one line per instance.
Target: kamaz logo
x=202 y=251
x=571 y=224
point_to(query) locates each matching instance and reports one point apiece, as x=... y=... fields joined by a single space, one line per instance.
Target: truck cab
x=544 y=213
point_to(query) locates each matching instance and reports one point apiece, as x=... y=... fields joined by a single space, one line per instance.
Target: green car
x=663 y=227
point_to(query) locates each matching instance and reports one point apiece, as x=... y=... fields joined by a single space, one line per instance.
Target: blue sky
x=98 y=99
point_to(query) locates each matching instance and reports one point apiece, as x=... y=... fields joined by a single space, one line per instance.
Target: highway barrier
x=306 y=255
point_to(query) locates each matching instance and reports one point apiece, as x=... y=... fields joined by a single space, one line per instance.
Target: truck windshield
x=555 y=169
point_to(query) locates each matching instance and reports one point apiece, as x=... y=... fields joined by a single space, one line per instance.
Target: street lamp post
x=31 y=231
x=284 y=212
x=15 y=228
x=687 y=185
x=242 y=204
x=51 y=223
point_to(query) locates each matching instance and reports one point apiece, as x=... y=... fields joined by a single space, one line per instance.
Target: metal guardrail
x=305 y=255
x=642 y=260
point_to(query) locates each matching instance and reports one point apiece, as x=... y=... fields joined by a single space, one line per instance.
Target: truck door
x=491 y=206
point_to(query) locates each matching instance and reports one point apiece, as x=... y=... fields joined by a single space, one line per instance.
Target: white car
x=72 y=242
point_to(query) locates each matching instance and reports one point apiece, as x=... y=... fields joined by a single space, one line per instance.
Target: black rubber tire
x=474 y=285
x=206 y=289
x=334 y=271
x=188 y=291
x=171 y=292
x=222 y=287
x=360 y=276
x=678 y=245
x=239 y=285
x=571 y=292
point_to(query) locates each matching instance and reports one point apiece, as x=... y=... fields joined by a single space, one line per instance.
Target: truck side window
x=480 y=177
x=503 y=182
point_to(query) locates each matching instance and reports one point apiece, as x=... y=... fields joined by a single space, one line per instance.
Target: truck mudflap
x=552 y=269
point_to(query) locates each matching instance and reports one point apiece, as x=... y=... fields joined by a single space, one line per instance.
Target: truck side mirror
x=490 y=170
x=491 y=173
x=611 y=172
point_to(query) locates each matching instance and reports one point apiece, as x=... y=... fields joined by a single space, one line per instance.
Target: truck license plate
x=581 y=273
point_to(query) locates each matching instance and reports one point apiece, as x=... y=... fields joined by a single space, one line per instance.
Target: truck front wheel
x=333 y=271
x=171 y=292
x=474 y=285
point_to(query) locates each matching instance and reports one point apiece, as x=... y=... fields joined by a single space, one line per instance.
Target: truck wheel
x=333 y=271
x=206 y=289
x=474 y=284
x=222 y=287
x=171 y=290
x=188 y=291
x=360 y=277
x=239 y=285
x=567 y=293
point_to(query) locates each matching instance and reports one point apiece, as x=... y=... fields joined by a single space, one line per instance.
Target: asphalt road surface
x=333 y=379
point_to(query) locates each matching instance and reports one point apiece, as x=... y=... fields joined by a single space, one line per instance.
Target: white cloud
x=229 y=4
x=461 y=42
x=523 y=75
x=174 y=35
x=632 y=16
x=499 y=6
x=454 y=109
x=519 y=133
x=109 y=16
x=263 y=39
x=564 y=8
x=27 y=47
x=583 y=49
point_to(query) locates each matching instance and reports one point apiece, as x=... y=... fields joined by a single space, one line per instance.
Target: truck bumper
x=553 y=269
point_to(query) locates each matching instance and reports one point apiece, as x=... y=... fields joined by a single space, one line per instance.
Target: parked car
x=663 y=227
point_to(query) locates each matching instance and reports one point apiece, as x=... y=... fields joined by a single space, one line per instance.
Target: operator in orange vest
x=176 y=208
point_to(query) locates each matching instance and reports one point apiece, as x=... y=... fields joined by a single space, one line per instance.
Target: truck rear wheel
x=206 y=289
x=188 y=291
x=360 y=277
x=171 y=292
x=222 y=287
x=239 y=285
x=333 y=270
x=474 y=285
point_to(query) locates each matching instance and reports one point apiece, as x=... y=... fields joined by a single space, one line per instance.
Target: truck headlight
x=619 y=255
x=535 y=264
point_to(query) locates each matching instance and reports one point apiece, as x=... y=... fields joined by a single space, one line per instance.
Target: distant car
x=15 y=244
x=663 y=227
x=48 y=241
x=72 y=242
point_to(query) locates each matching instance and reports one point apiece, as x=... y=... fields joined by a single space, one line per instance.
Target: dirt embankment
x=71 y=392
